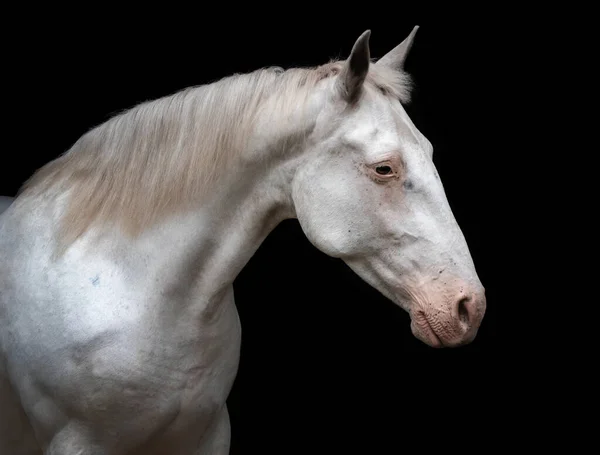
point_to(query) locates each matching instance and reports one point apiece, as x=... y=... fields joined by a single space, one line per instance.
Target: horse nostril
x=463 y=310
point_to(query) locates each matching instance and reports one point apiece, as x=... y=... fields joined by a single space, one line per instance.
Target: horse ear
x=397 y=56
x=355 y=69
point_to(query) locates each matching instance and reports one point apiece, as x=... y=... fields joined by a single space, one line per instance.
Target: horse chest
x=140 y=366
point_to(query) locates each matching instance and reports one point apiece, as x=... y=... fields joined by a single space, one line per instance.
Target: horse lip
x=431 y=335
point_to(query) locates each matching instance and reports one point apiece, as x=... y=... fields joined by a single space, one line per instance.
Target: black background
x=328 y=365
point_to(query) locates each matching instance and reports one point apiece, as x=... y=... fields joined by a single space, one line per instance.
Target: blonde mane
x=163 y=155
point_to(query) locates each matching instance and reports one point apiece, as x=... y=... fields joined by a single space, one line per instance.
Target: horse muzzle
x=449 y=321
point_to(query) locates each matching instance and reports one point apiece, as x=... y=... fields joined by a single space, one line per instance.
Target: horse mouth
x=421 y=328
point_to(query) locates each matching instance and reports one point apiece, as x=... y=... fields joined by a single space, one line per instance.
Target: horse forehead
x=380 y=122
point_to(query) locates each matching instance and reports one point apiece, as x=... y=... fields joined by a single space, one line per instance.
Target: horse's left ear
x=355 y=69
x=397 y=56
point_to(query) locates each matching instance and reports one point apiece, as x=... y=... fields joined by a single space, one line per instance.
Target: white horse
x=118 y=329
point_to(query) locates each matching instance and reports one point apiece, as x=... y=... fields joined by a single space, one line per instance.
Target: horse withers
x=118 y=329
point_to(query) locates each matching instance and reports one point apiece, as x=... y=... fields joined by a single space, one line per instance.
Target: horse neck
x=240 y=220
x=256 y=195
x=215 y=241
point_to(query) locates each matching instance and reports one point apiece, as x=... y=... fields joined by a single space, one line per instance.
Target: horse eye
x=383 y=170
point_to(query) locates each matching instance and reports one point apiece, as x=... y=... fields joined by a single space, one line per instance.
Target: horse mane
x=163 y=155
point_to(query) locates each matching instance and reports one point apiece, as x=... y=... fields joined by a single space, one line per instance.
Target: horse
x=118 y=327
